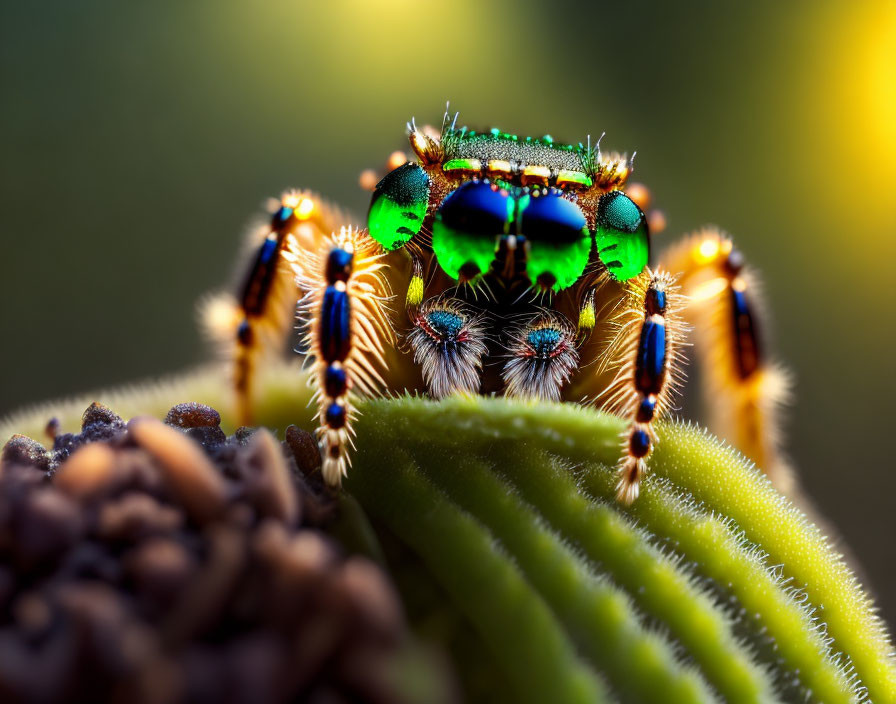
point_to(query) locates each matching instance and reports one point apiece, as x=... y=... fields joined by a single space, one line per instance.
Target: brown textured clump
x=165 y=562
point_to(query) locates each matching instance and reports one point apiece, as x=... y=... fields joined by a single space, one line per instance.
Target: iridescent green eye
x=472 y=219
x=467 y=227
x=399 y=206
x=623 y=241
x=558 y=237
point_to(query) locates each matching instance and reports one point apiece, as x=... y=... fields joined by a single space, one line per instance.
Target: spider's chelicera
x=524 y=268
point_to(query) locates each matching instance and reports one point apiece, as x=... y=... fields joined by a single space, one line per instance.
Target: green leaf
x=498 y=523
x=730 y=543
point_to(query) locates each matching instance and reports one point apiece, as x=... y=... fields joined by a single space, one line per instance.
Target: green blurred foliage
x=139 y=138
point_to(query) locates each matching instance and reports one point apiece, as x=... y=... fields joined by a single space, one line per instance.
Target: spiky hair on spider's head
x=538 y=159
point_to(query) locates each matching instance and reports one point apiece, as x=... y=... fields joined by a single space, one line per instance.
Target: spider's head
x=475 y=198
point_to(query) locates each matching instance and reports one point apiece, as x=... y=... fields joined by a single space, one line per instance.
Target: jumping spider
x=525 y=269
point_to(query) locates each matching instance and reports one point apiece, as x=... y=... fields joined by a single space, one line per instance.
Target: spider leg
x=645 y=356
x=259 y=319
x=346 y=330
x=543 y=356
x=448 y=343
x=742 y=391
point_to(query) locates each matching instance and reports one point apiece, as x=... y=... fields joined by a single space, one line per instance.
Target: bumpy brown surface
x=165 y=562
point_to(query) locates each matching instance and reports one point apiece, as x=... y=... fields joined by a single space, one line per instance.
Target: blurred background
x=138 y=139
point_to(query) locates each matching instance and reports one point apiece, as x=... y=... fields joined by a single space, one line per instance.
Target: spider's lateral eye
x=466 y=228
x=623 y=240
x=476 y=208
x=559 y=241
x=398 y=206
x=618 y=211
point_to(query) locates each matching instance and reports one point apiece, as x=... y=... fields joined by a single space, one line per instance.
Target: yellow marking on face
x=587 y=317
x=415 y=291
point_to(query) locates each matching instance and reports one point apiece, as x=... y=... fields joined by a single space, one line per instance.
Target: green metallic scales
x=399 y=206
x=496 y=145
x=623 y=241
x=621 y=213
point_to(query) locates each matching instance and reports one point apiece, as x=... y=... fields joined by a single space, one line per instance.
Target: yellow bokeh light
x=397 y=159
x=708 y=250
x=305 y=208
x=856 y=103
x=881 y=79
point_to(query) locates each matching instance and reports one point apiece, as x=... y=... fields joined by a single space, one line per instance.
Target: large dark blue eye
x=476 y=208
x=552 y=218
x=398 y=206
x=623 y=241
x=558 y=237
x=467 y=226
